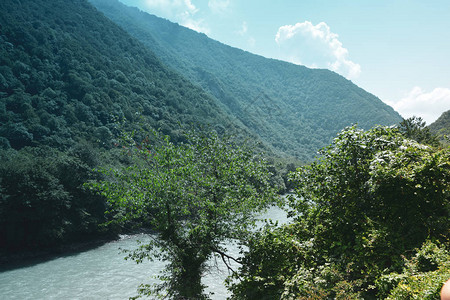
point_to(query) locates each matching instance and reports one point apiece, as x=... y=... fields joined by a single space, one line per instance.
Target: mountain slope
x=441 y=126
x=68 y=76
x=66 y=70
x=294 y=109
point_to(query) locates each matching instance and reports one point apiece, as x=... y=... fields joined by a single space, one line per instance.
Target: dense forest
x=67 y=74
x=295 y=110
x=68 y=78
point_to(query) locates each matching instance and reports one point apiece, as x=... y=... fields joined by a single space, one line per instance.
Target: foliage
x=67 y=73
x=372 y=197
x=414 y=128
x=63 y=78
x=282 y=264
x=295 y=110
x=422 y=277
x=280 y=169
x=195 y=196
x=374 y=189
x=37 y=188
x=441 y=127
x=273 y=256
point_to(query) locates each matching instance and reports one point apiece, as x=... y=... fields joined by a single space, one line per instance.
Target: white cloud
x=219 y=6
x=197 y=25
x=243 y=29
x=243 y=32
x=172 y=6
x=419 y=103
x=315 y=46
x=182 y=11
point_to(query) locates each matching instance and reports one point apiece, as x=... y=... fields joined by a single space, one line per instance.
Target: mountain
x=295 y=110
x=441 y=127
x=68 y=77
x=67 y=72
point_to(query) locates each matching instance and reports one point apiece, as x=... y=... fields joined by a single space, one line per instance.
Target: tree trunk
x=187 y=275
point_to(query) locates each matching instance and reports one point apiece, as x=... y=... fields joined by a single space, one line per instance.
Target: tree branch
x=226 y=259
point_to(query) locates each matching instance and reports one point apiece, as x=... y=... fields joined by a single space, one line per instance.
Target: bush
x=423 y=275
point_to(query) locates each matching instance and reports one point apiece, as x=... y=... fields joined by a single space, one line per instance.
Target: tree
x=415 y=128
x=195 y=196
x=273 y=256
x=42 y=200
x=372 y=197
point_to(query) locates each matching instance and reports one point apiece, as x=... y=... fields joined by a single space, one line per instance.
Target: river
x=101 y=273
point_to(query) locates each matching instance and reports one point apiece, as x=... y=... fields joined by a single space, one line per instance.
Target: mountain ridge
x=305 y=107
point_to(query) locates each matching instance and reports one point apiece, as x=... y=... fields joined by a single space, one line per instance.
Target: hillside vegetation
x=441 y=127
x=371 y=221
x=68 y=75
x=294 y=109
x=66 y=72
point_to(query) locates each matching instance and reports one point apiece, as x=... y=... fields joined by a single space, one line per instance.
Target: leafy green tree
x=372 y=197
x=274 y=255
x=195 y=195
x=43 y=203
x=415 y=128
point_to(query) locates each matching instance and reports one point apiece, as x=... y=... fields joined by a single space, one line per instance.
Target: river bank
x=99 y=271
x=17 y=260
x=29 y=257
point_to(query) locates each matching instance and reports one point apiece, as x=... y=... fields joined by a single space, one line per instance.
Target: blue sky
x=397 y=50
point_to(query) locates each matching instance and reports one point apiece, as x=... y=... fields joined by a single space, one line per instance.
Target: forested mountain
x=294 y=109
x=66 y=71
x=441 y=126
x=68 y=75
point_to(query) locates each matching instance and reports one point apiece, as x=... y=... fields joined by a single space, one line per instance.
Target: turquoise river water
x=102 y=273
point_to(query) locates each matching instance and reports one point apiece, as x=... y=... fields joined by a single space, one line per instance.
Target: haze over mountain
x=293 y=109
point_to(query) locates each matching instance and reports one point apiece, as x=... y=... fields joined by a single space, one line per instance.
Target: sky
x=398 y=50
